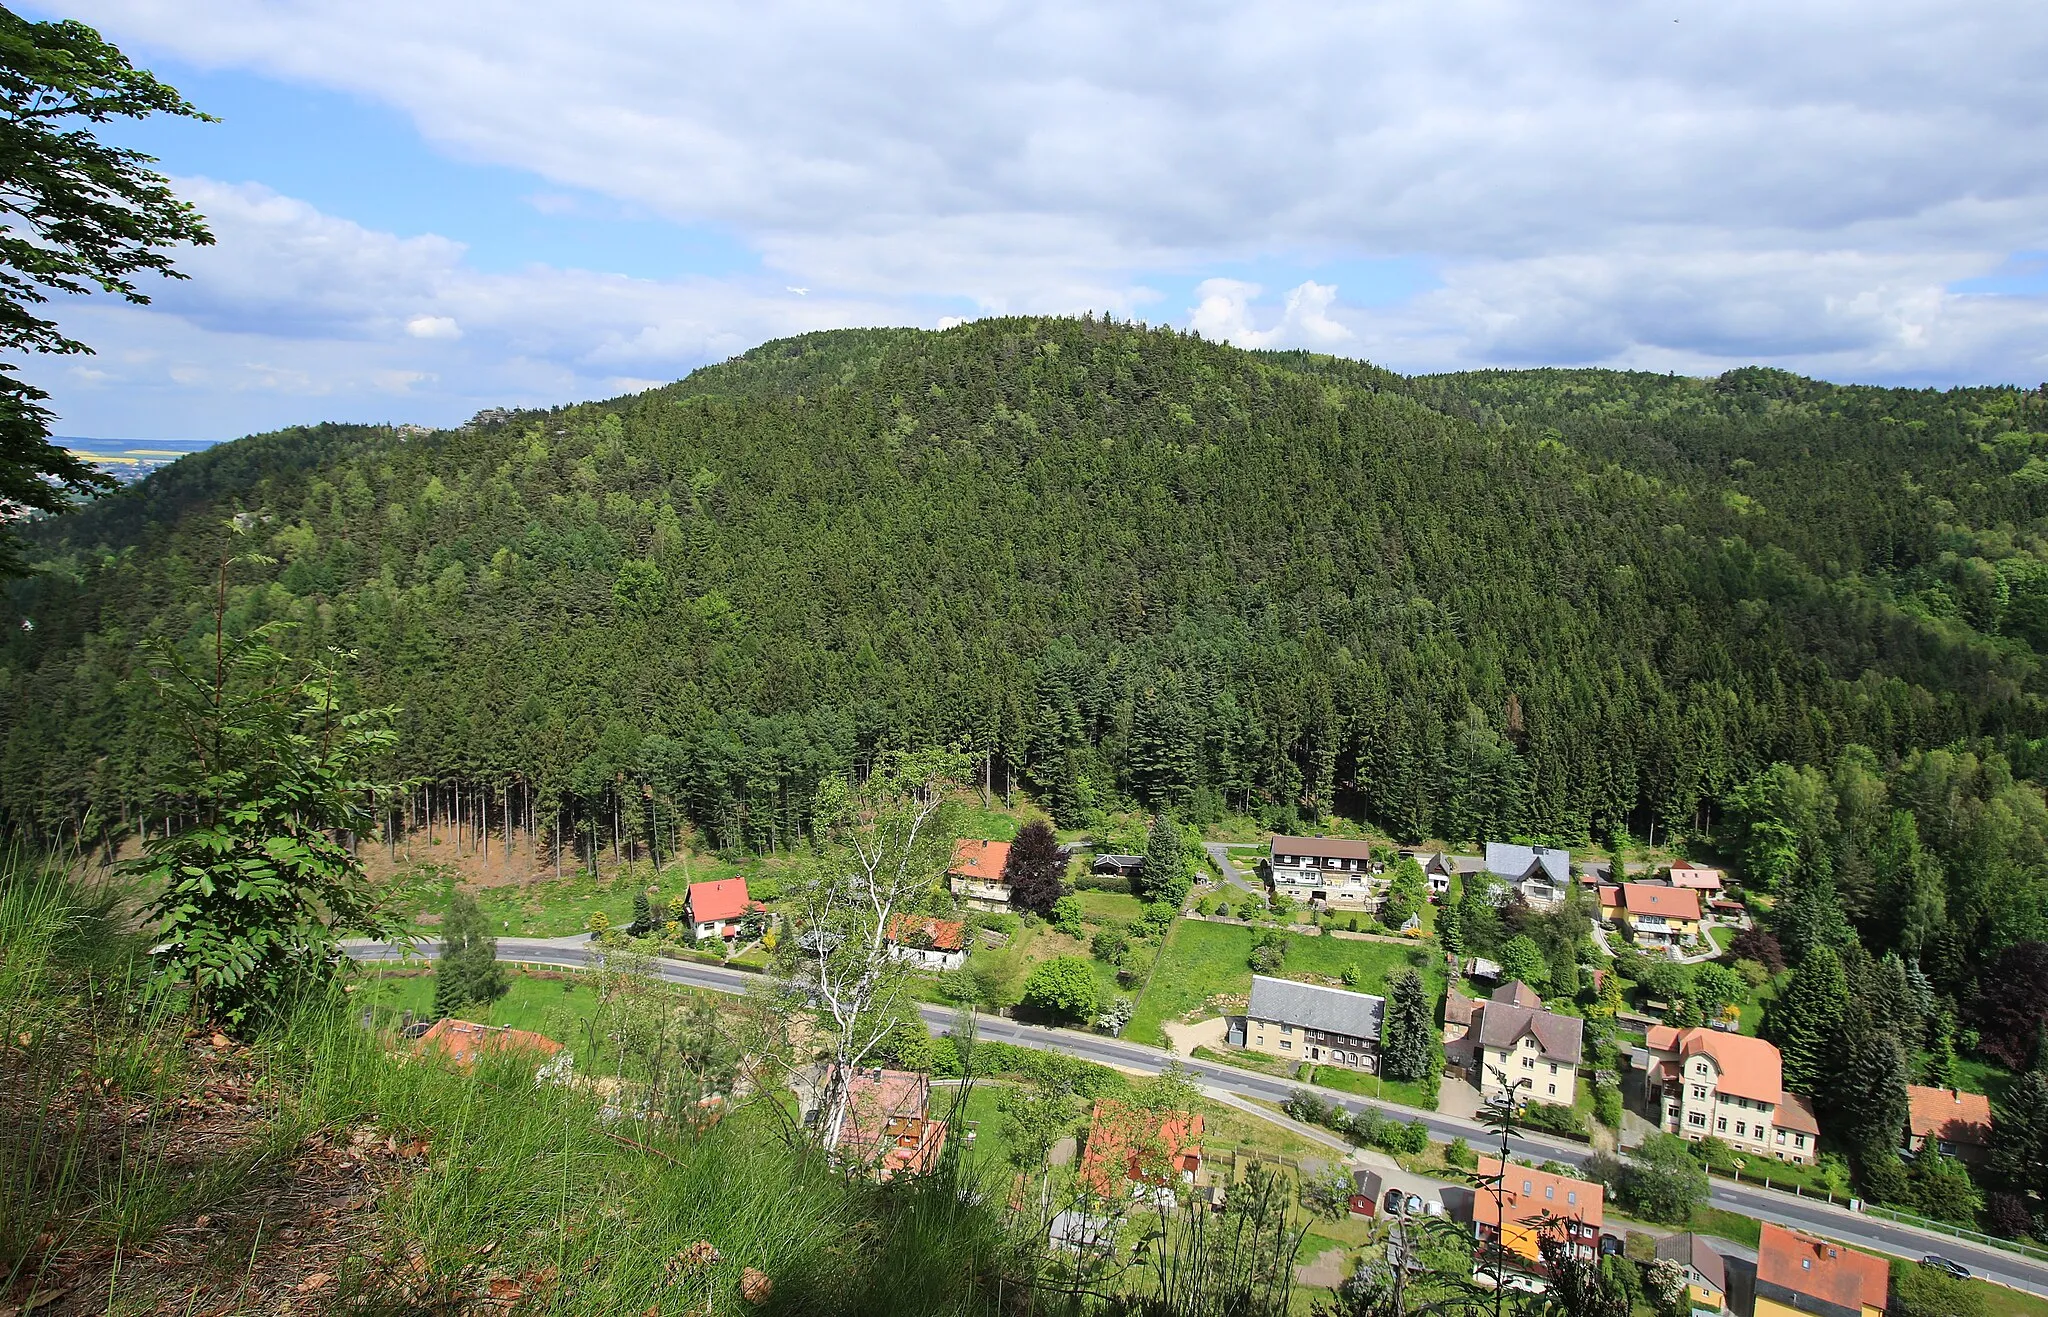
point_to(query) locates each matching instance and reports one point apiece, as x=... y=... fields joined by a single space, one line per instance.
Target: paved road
x=1763 y=1204
x=1220 y=852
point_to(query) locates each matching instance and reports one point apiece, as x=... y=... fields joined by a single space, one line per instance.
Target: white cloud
x=433 y=327
x=1789 y=180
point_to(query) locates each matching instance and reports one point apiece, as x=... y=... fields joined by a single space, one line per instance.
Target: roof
x=1333 y=1010
x=724 y=899
x=1843 y=1280
x=925 y=931
x=1517 y=993
x=1656 y=899
x=887 y=1125
x=1692 y=875
x=1749 y=1067
x=462 y=1041
x=1947 y=1113
x=1528 y=1193
x=1145 y=1145
x=1502 y=1024
x=1516 y=862
x=1458 y=1008
x=982 y=861
x=1689 y=1250
x=1796 y=1113
x=1610 y=896
x=1323 y=848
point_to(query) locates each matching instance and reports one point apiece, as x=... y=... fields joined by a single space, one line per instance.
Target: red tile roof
x=1610 y=896
x=1145 y=1145
x=1947 y=1113
x=925 y=931
x=724 y=899
x=1653 y=899
x=1749 y=1067
x=1529 y=1193
x=1820 y=1270
x=1795 y=1113
x=462 y=1041
x=982 y=861
x=888 y=1125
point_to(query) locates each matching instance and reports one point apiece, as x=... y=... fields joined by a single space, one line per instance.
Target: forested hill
x=1123 y=563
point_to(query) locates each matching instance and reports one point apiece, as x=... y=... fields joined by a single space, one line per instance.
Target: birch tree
x=882 y=848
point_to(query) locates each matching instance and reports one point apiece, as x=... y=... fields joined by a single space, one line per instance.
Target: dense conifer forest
x=1120 y=565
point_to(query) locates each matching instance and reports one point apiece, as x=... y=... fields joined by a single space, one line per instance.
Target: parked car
x=1610 y=1246
x=1414 y=1207
x=1433 y=1208
x=1940 y=1263
x=1392 y=1206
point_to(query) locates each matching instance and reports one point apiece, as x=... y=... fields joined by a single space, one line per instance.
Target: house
x=927 y=942
x=1542 y=874
x=1516 y=1036
x=1695 y=878
x=1704 y=1081
x=976 y=874
x=1305 y=1022
x=1660 y=918
x=1706 y=1277
x=1958 y=1122
x=1117 y=866
x=1326 y=873
x=715 y=909
x=463 y=1041
x=1526 y=1196
x=1127 y=1143
x=1800 y=1276
x=1609 y=897
x=1436 y=871
x=888 y=1128
x=1366 y=1188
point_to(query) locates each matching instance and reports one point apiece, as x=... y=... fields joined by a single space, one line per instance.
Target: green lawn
x=538 y=1000
x=1201 y=960
x=556 y=907
x=1975 y=1074
x=1101 y=907
x=1407 y=1092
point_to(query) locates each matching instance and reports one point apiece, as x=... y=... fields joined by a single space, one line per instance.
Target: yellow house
x=1525 y=1197
x=1706 y=1278
x=1660 y=917
x=1800 y=1276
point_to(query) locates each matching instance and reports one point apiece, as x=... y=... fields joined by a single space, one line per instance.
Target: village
x=1318 y=962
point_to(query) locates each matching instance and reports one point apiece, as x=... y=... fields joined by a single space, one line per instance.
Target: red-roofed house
x=462 y=1041
x=1659 y=917
x=1696 y=878
x=888 y=1126
x=1131 y=1143
x=976 y=874
x=1527 y=1195
x=1800 y=1276
x=715 y=909
x=1958 y=1122
x=927 y=942
x=1704 y=1081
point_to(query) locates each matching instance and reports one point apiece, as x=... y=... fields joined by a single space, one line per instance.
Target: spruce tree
x=1035 y=869
x=467 y=969
x=1165 y=875
x=1870 y=1099
x=1408 y=1046
x=1807 y=1020
x=1450 y=931
x=643 y=915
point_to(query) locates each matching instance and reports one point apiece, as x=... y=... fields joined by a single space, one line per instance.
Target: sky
x=422 y=210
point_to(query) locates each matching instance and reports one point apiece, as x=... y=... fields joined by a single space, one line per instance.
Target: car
x=1433 y=1208
x=1392 y=1206
x=1414 y=1207
x=1610 y=1246
x=1955 y=1270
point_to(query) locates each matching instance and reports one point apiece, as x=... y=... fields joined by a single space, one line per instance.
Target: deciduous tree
x=1035 y=869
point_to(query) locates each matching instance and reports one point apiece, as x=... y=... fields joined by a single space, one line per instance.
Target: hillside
x=1122 y=564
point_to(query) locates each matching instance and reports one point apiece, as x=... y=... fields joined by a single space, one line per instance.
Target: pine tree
x=643 y=915
x=1408 y=1046
x=1165 y=875
x=1806 y=1021
x=2019 y=1137
x=467 y=969
x=1870 y=1102
x=1450 y=931
x=1035 y=868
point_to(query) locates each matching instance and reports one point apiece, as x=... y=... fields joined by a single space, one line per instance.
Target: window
x=1781 y=1136
x=1798 y=1140
x=1741 y=1129
x=1286 y=1046
x=1528 y=1063
x=1697 y=1118
x=1721 y=1124
x=1553 y=1090
x=1287 y=1029
x=1700 y=1069
x=1699 y=1091
x=1549 y=1192
x=1553 y=1067
x=1528 y=1188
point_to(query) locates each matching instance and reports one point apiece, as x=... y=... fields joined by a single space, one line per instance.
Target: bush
x=1460 y=1154
x=1919 y=1291
x=1554 y=1118
x=1269 y=953
x=1066 y=915
x=1063 y=986
x=1103 y=882
x=1663 y=1181
x=1109 y=945
x=2006 y=1215
x=1607 y=1105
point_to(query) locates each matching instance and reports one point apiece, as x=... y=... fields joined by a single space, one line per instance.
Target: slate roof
x=1332 y=1010
x=1946 y=1113
x=1689 y=1250
x=1832 y=1279
x=1502 y=1023
x=1515 y=863
x=1323 y=848
x=1516 y=993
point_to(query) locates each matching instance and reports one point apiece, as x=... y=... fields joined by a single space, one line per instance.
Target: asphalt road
x=1873 y=1233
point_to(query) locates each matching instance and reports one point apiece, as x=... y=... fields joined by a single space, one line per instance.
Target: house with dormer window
x=1326 y=873
x=1703 y=1081
x=1539 y=1051
x=1542 y=874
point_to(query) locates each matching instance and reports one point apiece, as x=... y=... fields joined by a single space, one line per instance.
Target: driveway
x=1220 y=853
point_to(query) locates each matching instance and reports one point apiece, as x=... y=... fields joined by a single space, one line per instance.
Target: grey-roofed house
x=1706 y=1276
x=1306 y=1022
x=1517 y=1036
x=1118 y=866
x=1542 y=874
